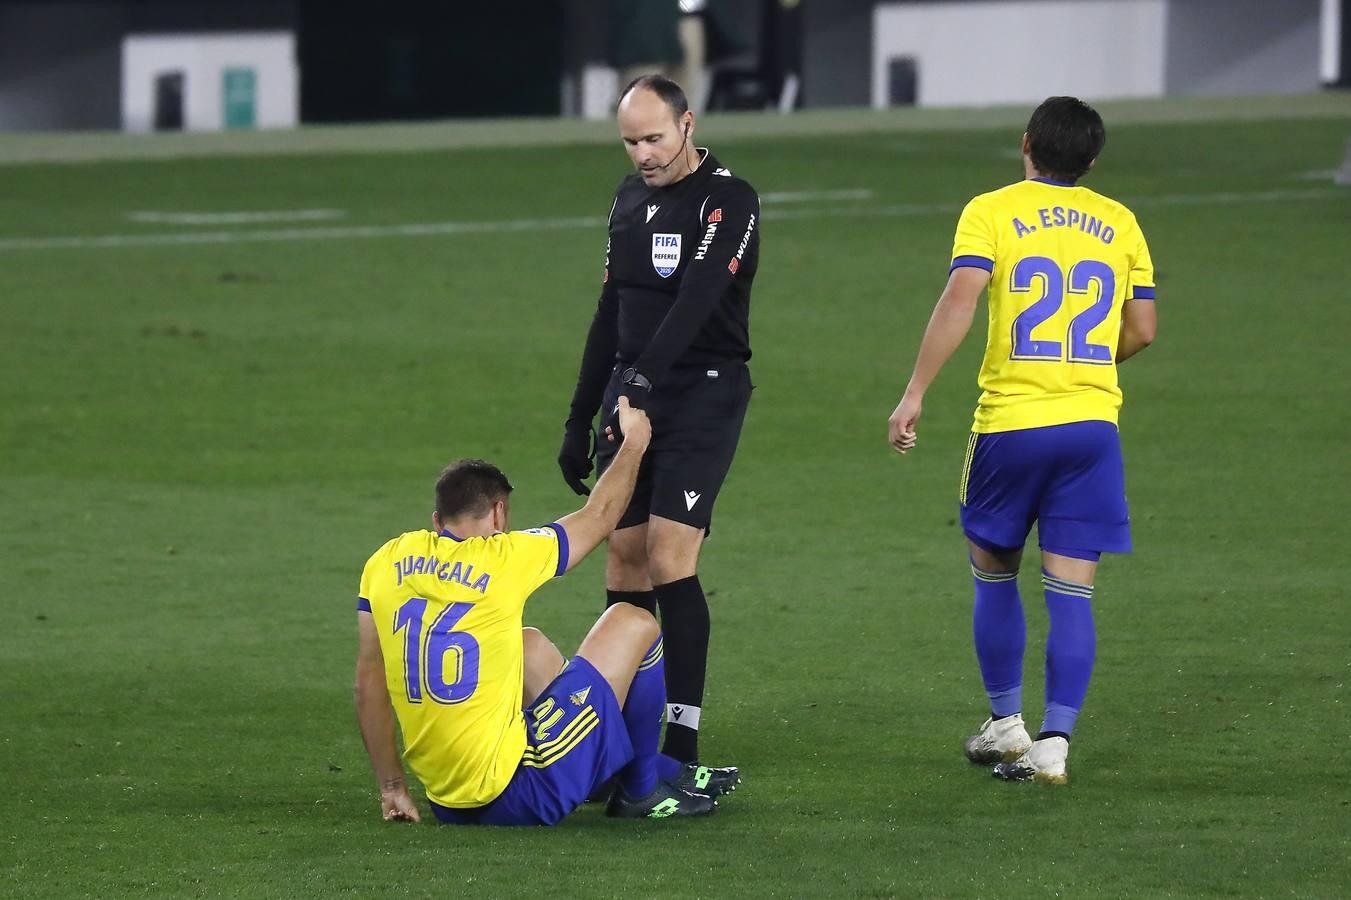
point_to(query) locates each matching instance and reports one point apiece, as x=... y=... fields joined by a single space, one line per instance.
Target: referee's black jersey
x=678 y=271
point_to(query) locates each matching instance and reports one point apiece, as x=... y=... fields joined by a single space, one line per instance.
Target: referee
x=671 y=334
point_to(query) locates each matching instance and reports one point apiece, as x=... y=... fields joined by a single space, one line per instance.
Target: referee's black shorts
x=696 y=416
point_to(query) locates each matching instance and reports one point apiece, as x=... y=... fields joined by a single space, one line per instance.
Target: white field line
x=337 y=233
x=234 y=218
x=808 y=196
x=424 y=229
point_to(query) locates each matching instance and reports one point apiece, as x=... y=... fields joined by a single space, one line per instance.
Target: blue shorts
x=566 y=757
x=1068 y=479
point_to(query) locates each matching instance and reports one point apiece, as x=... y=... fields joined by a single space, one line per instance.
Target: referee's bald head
x=666 y=90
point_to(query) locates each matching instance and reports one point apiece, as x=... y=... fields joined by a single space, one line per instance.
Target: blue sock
x=1070 y=648
x=642 y=717
x=668 y=767
x=1001 y=635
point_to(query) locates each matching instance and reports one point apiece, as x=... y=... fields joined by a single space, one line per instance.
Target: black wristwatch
x=634 y=377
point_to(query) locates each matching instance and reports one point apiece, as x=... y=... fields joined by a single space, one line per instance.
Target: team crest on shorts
x=665 y=253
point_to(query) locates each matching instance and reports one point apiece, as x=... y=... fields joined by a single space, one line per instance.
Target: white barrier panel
x=600 y=91
x=988 y=53
x=1330 y=41
x=234 y=80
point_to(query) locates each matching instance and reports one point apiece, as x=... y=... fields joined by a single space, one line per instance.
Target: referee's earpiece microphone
x=681 y=151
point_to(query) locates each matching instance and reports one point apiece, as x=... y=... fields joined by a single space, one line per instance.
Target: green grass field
x=201 y=443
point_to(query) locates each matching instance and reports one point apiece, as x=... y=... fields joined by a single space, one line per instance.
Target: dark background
x=404 y=60
x=428 y=61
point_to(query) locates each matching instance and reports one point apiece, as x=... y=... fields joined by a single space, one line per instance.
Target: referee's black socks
x=642 y=599
x=684 y=625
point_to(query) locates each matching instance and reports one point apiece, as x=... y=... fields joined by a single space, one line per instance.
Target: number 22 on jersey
x=1043 y=276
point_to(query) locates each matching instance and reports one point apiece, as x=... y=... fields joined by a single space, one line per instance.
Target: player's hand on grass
x=574 y=458
x=634 y=428
x=396 y=804
x=901 y=425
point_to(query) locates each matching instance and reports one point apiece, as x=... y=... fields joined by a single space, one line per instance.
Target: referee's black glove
x=638 y=389
x=637 y=394
x=574 y=458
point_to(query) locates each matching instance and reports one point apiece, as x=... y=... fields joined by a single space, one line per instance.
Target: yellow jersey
x=1063 y=261
x=448 y=612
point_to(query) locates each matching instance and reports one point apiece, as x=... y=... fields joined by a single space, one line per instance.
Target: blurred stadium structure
x=202 y=65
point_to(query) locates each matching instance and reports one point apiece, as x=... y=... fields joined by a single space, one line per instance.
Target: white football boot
x=998 y=741
x=1044 y=761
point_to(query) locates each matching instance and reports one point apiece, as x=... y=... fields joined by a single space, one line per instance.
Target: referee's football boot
x=666 y=800
x=1000 y=740
x=1044 y=761
x=711 y=780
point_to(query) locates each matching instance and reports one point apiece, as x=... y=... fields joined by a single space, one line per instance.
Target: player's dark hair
x=469 y=487
x=670 y=93
x=1064 y=136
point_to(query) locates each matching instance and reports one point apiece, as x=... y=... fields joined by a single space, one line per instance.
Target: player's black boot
x=665 y=800
x=715 y=782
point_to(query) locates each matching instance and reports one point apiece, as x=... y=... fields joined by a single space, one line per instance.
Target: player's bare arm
x=951 y=320
x=1139 y=322
x=376 y=718
x=591 y=524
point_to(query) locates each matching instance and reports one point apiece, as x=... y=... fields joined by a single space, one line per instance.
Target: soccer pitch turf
x=207 y=428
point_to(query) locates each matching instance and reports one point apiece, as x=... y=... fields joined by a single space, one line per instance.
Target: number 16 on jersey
x=426 y=657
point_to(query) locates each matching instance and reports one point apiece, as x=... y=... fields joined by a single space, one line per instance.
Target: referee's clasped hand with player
x=579 y=449
x=633 y=425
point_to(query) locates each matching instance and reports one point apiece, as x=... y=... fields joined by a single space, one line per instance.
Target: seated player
x=496 y=726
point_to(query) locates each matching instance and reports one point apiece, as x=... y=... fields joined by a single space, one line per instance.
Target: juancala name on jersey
x=1062 y=217
x=444 y=571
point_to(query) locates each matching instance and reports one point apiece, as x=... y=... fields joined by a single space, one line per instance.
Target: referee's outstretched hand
x=574 y=458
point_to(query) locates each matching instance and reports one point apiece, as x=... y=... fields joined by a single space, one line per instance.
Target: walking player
x=1071 y=295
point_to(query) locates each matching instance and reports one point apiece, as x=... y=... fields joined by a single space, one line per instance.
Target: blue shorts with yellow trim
x=576 y=740
x=1068 y=479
